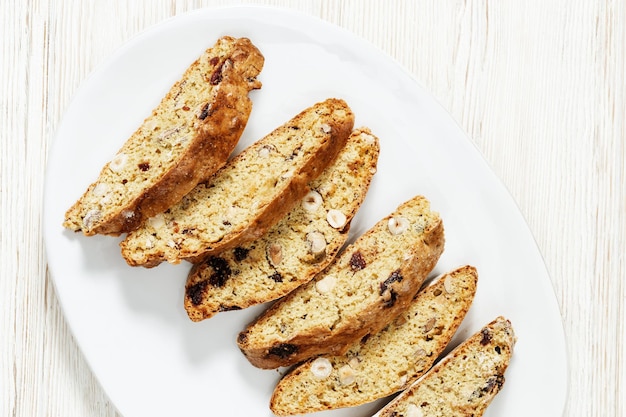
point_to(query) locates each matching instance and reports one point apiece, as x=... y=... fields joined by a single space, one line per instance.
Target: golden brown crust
x=365 y=309
x=296 y=188
x=251 y=277
x=215 y=136
x=464 y=383
x=386 y=362
x=196 y=228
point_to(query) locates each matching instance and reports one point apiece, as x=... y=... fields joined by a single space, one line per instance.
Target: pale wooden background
x=537 y=84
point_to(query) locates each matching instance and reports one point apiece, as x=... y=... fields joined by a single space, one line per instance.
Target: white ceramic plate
x=130 y=322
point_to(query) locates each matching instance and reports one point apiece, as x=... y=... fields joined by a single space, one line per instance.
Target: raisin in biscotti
x=297 y=247
x=386 y=362
x=370 y=283
x=250 y=194
x=186 y=139
x=463 y=383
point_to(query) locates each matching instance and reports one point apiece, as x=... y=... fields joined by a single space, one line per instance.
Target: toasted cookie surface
x=186 y=139
x=370 y=283
x=464 y=383
x=385 y=362
x=250 y=194
x=296 y=248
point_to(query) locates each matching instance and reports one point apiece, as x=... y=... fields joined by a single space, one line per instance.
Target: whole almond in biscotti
x=465 y=382
x=250 y=194
x=368 y=285
x=386 y=362
x=296 y=248
x=186 y=139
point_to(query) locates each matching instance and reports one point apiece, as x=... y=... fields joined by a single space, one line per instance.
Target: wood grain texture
x=538 y=86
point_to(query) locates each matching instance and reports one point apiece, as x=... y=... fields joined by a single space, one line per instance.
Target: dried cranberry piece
x=194 y=292
x=221 y=271
x=395 y=276
x=276 y=277
x=205 y=112
x=216 y=77
x=486 y=337
x=241 y=253
x=283 y=350
x=229 y=308
x=357 y=262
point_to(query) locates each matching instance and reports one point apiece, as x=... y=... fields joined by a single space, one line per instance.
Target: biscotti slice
x=386 y=362
x=299 y=246
x=250 y=194
x=186 y=139
x=370 y=283
x=465 y=382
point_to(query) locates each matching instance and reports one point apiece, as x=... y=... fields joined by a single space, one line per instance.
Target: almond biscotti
x=297 y=247
x=368 y=285
x=386 y=362
x=250 y=194
x=186 y=139
x=465 y=382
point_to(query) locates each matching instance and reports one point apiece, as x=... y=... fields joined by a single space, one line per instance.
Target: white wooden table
x=538 y=85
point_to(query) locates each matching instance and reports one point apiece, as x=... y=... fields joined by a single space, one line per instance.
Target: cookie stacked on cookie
x=356 y=320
